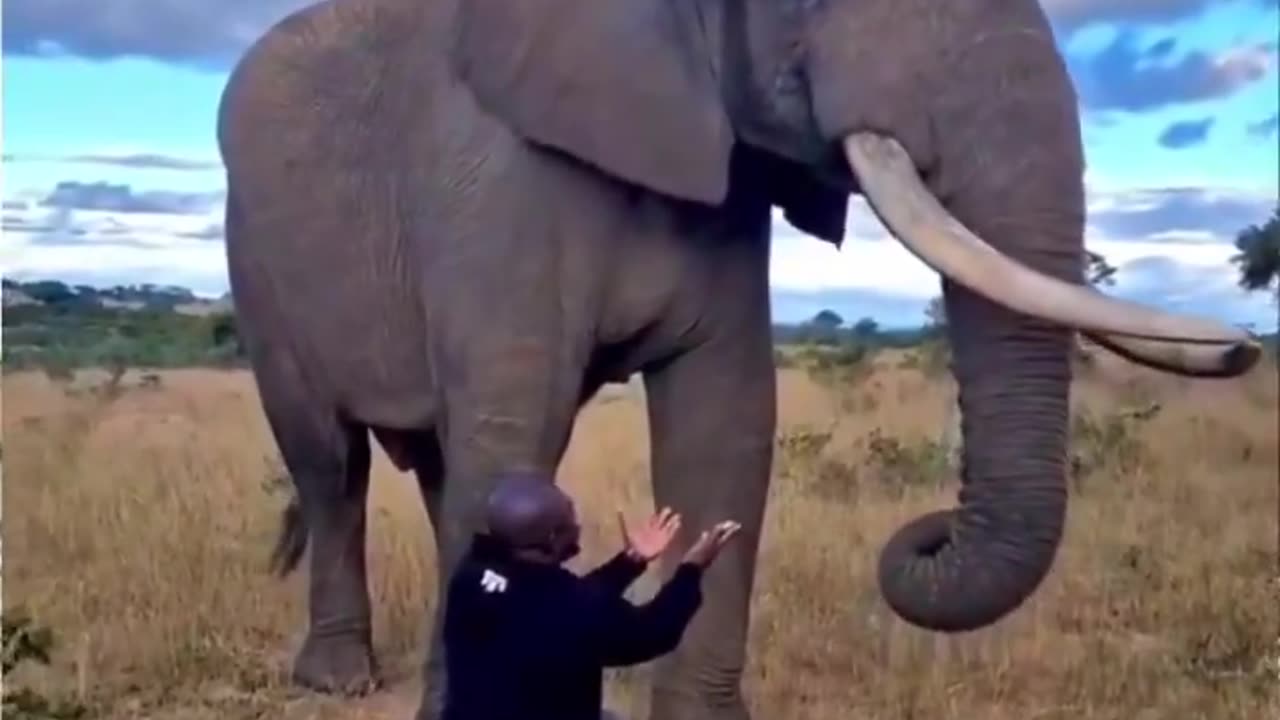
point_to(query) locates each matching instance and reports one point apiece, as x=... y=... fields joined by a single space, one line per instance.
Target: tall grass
x=138 y=523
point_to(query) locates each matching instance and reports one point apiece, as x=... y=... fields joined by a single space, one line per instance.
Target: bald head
x=528 y=512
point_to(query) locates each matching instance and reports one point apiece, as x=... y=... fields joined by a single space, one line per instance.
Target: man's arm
x=624 y=634
x=642 y=545
x=616 y=575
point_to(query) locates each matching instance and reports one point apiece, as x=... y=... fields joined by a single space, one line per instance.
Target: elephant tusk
x=1200 y=360
x=902 y=202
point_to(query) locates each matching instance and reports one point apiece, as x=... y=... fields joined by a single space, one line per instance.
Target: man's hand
x=708 y=546
x=651 y=539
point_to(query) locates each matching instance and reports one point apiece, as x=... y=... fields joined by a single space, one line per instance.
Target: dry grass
x=139 y=529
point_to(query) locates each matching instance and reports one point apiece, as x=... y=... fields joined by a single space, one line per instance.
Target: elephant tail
x=292 y=542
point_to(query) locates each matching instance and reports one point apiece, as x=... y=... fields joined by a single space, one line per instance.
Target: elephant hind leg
x=328 y=460
x=292 y=542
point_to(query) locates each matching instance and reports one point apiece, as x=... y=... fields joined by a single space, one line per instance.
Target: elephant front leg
x=514 y=412
x=712 y=415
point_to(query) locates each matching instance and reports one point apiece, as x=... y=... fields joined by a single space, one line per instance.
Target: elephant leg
x=429 y=466
x=712 y=413
x=328 y=460
x=514 y=413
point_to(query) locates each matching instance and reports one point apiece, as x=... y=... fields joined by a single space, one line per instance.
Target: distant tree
x=225 y=336
x=865 y=328
x=935 y=314
x=51 y=292
x=223 y=329
x=1097 y=270
x=1098 y=273
x=827 y=319
x=1259 y=257
x=823 y=328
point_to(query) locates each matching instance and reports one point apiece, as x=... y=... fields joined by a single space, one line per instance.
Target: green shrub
x=26 y=642
x=1108 y=443
x=900 y=464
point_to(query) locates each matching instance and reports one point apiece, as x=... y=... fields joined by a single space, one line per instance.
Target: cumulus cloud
x=1176 y=214
x=889 y=311
x=1264 y=129
x=1072 y=15
x=1200 y=289
x=1186 y=133
x=203 y=33
x=213 y=231
x=138 y=161
x=108 y=238
x=1123 y=76
x=73 y=195
x=1172 y=247
x=212 y=33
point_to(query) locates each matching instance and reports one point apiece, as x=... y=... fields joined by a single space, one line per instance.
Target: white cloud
x=1178 y=266
x=870 y=259
x=107 y=248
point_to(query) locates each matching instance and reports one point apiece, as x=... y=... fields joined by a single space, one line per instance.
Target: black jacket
x=524 y=641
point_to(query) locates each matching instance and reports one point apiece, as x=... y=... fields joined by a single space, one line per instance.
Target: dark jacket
x=525 y=641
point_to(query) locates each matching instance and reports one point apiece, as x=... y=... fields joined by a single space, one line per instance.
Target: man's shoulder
x=484 y=576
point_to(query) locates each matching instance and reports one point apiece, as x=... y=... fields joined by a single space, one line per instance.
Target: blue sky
x=111 y=174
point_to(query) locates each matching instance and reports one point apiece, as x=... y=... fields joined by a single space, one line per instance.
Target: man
x=526 y=639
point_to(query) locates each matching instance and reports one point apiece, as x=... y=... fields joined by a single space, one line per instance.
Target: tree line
x=50 y=323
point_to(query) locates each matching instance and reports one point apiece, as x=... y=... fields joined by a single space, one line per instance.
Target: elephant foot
x=339 y=666
x=686 y=706
x=428 y=711
x=425 y=713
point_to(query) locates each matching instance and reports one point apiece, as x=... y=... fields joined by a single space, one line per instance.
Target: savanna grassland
x=139 y=514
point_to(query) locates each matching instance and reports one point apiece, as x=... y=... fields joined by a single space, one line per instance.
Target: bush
x=934 y=358
x=843 y=370
x=900 y=464
x=1108 y=443
x=27 y=642
x=88 y=336
x=801 y=460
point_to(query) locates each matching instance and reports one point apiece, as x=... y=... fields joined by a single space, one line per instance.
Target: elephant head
x=959 y=124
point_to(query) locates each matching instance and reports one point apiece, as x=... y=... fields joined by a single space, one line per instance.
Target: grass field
x=137 y=526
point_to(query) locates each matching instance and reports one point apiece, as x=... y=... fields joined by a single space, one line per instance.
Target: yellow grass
x=139 y=530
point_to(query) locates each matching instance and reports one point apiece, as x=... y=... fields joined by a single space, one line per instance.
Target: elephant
x=504 y=217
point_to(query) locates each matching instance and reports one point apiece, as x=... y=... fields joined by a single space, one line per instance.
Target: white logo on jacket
x=493 y=582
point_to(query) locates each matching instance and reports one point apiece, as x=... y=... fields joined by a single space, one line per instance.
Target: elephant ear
x=624 y=85
x=812 y=202
x=809 y=204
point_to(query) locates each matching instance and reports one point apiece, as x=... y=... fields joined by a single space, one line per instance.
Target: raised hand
x=705 y=550
x=652 y=538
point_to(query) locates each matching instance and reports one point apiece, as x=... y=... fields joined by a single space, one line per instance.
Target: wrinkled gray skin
x=449 y=224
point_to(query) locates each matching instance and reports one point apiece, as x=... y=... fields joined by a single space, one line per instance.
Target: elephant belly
x=388 y=386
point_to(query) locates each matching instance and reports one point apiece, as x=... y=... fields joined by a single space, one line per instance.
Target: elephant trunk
x=1008 y=244
x=998 y=210
x=962 y=569
x=1015 y=296
x=1013 y=307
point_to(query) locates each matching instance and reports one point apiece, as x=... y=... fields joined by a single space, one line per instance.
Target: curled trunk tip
x=932 y=582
